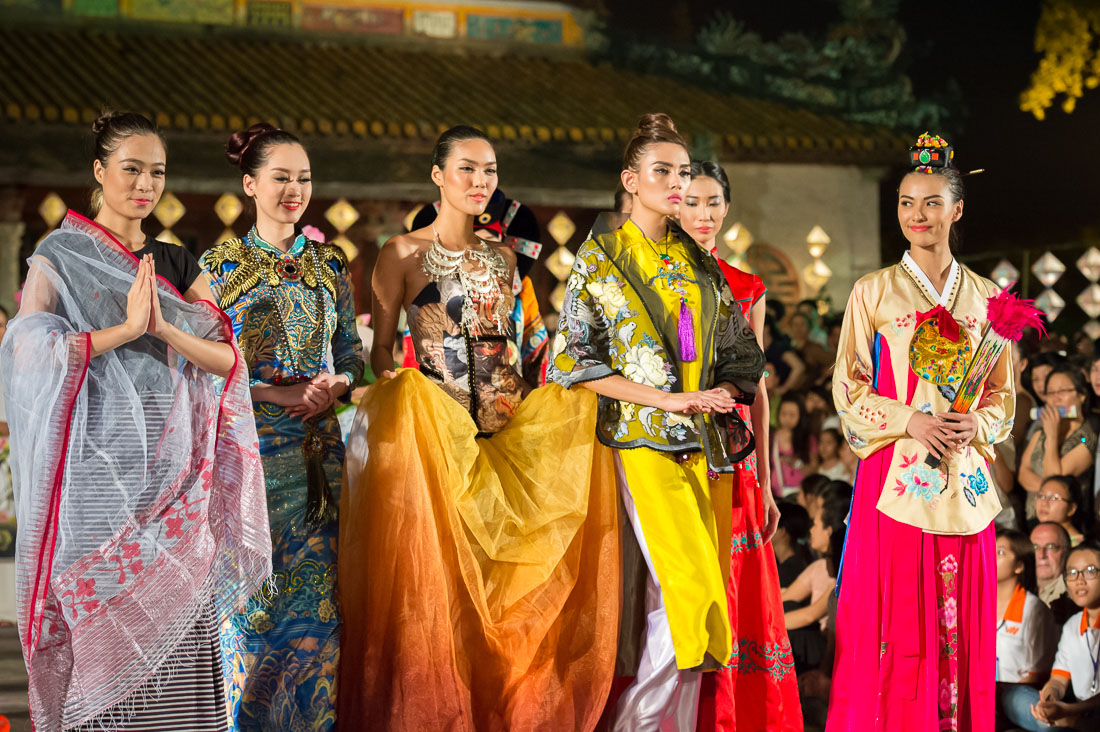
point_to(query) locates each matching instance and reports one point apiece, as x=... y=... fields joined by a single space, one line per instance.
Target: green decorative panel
x=96 y=8
x=501 y=28
x=183 y=11
x=269 y=14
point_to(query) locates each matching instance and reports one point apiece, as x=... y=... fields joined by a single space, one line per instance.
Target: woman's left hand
x=962 y=427
x=771 y=512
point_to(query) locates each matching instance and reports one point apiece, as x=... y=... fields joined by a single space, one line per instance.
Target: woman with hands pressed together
x=916 y=620
x=141 y=507
x=290 y=301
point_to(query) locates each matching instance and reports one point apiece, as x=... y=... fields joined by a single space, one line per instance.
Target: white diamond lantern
x=1092 y=329
x=1048 y=268
x=1004 y=274
x=1089 y=300
x=1050 y=303
x=1089 y=264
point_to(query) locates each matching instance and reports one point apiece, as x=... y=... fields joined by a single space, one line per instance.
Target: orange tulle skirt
x=479 y=577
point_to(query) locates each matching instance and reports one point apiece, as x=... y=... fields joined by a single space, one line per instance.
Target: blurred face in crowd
x=834 y=338
x=814 y=402
x=1052 y=503
x=1039 y=376
x=788 y=415
x=1008 y=566
x=828 y=447
x=283 y=186
x=926 y=210
x=1084 y=592
x=771 y=381
x=800 y=327
x=703 y=210
x=3 y=324
x=820 y=534
x=1050 y=553
x=1061 y=392
x=1094 y=377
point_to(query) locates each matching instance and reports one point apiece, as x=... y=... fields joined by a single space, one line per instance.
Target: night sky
x=1040 y=188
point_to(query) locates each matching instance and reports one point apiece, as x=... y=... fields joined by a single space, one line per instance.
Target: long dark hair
x=800 y=435
x=1024 y=552
x=836 y=503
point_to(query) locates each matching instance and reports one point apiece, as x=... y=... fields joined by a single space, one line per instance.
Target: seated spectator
x=806 y=625
x=819 y=364
x=1065 y=445
x=1075 y=664
x=789 y=542
x=830 y=463
x=1051 y=542
x=1026 y=632
x=793 y=449
x=820 y=409
x=788 y=367
x=809 y=496
x=1058 y=501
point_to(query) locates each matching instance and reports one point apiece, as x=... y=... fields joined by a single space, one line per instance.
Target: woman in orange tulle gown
x=480 y=580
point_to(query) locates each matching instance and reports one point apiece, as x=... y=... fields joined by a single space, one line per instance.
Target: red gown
x=759 y=690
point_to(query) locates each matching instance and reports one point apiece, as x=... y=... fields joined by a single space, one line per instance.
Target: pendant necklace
x=480 y=281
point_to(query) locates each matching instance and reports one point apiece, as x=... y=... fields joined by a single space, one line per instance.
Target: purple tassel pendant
x=686 y=330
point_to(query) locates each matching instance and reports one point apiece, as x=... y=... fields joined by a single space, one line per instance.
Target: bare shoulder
x=506 y=251
x=403 y=247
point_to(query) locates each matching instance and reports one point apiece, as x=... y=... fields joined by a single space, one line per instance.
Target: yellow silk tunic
x=685 y=516
x=883 y=318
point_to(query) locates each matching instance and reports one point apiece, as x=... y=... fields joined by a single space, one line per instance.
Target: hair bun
x=240 y=140
x=656 y=123
x=104 y=120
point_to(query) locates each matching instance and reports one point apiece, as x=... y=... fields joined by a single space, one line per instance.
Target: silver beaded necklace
x=480 y=282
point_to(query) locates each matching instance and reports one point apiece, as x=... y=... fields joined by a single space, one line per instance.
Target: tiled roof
x=318 y=86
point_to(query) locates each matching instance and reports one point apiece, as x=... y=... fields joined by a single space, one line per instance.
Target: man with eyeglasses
x=1051 y=542
x=1077 y=663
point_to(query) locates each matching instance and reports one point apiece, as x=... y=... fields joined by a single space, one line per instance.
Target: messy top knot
x=652 y=129
x=249 y=149
x=111 y=128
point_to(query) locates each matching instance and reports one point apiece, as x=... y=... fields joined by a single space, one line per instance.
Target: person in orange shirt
x=1026 y=633
x=1077 y=663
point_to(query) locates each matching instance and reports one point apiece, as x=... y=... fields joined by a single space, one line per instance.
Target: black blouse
x=172 y=262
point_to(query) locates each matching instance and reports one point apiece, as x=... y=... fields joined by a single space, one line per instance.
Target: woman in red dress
x=759 y=690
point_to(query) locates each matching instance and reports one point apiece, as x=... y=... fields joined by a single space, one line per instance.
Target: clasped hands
x=310 y=398
x=143 y=303
x=718 y=400
x=944 y=432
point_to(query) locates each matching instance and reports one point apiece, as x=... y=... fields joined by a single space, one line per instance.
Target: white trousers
x=662 y=697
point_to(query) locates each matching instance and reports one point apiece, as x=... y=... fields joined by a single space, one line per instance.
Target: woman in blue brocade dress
x=290 y=302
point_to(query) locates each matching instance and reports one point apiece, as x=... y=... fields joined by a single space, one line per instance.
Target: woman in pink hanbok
x=916 y=626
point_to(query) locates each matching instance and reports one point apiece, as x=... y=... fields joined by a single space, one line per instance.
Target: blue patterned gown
x=290 y=312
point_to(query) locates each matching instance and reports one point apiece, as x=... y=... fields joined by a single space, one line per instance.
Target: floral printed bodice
x=478 y=371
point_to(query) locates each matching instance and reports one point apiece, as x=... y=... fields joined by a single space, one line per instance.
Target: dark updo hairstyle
x=710 y=169
x=1024 y=551
x=445 y=145
x=110 y=130
x=955 y=187
x=249 y=149
x=653 y=129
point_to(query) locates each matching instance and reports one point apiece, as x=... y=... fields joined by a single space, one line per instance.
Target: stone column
x=11 y=242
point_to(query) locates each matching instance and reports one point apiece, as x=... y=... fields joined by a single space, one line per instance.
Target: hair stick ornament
x=1007 y=317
